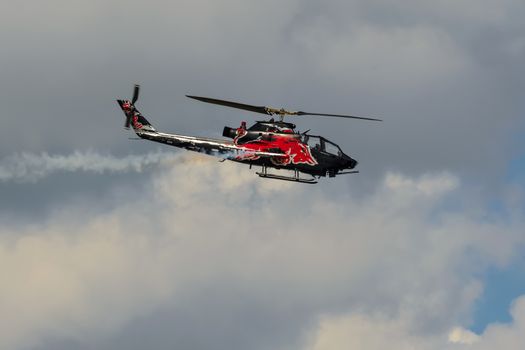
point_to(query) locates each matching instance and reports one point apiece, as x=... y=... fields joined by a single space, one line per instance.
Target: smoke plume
x=30 y=167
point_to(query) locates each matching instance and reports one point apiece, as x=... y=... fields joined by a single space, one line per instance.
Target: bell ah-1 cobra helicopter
x=269 y=143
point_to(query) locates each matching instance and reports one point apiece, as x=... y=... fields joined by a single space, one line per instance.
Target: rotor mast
x=280 y=112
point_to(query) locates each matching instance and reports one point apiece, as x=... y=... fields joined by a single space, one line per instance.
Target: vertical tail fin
x=132 y=114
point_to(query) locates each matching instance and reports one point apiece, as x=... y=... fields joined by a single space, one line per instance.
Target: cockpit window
x=321 y=144
x=331 y=148
x=313 y=141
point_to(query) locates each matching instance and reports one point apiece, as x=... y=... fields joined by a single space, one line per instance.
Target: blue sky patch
x=502 y=287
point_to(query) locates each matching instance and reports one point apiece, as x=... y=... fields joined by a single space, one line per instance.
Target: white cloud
x=199 y=226
x=358 y=331
x=460 y=335
x=365 y=332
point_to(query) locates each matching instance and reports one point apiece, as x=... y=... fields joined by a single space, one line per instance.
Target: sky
x=112 y=243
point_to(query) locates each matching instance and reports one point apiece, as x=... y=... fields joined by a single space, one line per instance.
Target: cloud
x=462 y=336
x=379 y=332
x=365 y=332
x=209 y=256
x=434 y=71
x=210 y=241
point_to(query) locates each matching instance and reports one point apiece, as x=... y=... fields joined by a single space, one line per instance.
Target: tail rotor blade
x=135 y=94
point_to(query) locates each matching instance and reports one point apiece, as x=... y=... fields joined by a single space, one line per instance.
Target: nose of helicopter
x=350 y=163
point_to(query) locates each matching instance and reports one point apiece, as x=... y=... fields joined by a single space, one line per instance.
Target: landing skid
x=295 y=178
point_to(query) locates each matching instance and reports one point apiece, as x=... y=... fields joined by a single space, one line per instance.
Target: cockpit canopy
x=321 y=144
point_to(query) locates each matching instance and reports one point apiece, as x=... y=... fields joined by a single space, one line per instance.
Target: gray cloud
x=446 y=77
x=208 y=256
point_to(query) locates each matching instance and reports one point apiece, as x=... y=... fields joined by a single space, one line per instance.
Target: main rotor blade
x=337 y=116
x=256 y=109
x=270 y=111
x=135 y=94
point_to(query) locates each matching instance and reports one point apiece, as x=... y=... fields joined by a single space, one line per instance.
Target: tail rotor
x=133 y=116
x=131 y=106
x=136 y=91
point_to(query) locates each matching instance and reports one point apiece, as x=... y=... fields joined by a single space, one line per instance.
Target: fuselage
x=307 y=153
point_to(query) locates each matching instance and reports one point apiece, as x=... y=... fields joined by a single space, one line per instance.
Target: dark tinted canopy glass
x=322 y=144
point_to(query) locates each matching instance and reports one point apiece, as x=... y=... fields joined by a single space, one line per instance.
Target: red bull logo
x=127 y=107
x=300 y=154
x=135 y=121
x=295 y=152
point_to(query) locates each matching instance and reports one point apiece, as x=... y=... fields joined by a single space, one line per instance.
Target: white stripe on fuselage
x=212 y=143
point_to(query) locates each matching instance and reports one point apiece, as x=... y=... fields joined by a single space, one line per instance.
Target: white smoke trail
x=30 y=167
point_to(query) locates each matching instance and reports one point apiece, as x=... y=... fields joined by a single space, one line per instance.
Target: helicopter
x=270 y=144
